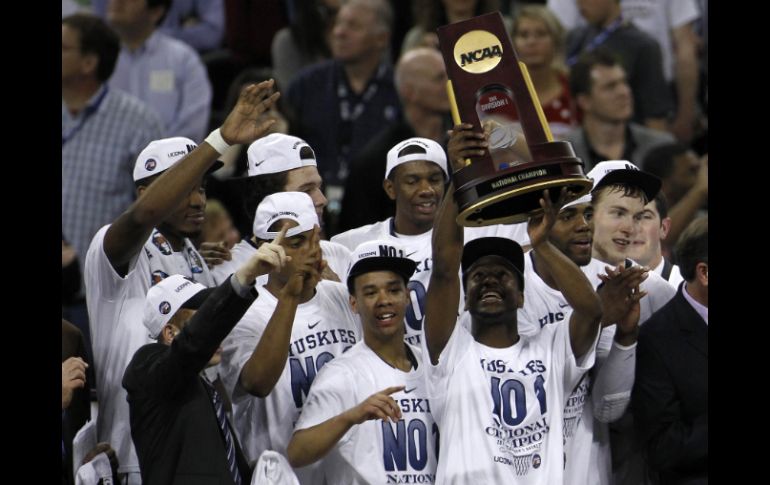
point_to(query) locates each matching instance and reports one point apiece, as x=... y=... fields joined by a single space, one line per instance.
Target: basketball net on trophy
x=487 y=85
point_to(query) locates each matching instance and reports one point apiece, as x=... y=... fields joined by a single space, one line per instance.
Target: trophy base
x=513 y=204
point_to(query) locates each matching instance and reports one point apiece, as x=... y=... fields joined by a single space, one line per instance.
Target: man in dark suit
x=178 y=424
x=670 y=396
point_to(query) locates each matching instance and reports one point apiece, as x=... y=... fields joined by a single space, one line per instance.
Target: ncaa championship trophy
x=486 y=83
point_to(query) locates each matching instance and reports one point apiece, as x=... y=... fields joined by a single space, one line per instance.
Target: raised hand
x=102 y=447
x=306 y=266
x=540 y=223
x=73 y=376
x=465 y=143
x=377 y=406
x=620 y=295
x=242 y=124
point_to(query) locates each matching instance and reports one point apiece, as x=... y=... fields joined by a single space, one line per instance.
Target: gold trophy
x=486 y=83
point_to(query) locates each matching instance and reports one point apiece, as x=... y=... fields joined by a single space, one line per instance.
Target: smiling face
x=572 y=233
x=307 y=180
x=380 y=300
x=186 y=220
x=616 y=223
x=417 y=187
x=492 y=290
x=645 y=248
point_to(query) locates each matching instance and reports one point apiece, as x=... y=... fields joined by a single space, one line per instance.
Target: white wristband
x=217 y=142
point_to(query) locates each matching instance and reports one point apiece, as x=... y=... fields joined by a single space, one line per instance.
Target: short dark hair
x=659 y=161
x=258 y=187
x=580 y=74
x=633 y=191
x=96 y=37
x=693 y=247
x=661 y=205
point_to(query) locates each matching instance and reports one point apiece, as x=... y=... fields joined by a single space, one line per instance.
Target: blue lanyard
x=87 y=112
x=600 y=38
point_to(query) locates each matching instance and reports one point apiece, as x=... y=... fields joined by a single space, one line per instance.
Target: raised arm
x=262 y=370
x=686 y=78
x=571 y=281
x=620 y=295
x=447 y=245
x=131 y=229
x=311 y=444
x=192 y=348
x=684 y=211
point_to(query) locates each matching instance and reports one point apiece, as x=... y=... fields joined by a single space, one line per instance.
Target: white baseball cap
x=619 y=172
x=162 y=154
x=414 y=149
x=296 y=206
x=379 y=255
x=167 y=297
x=278 y=153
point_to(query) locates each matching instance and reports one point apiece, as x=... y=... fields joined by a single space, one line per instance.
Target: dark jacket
x=173 y=422
x=670 y=395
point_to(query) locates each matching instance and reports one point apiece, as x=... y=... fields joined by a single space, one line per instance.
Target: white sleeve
x=438 y=375
x=100 y=274
x=527 y=323
x=340 y=299
x=564 y=359
x=338 y=257
x=659 y=292
x=332 y=393
x=237 y=349
x=613 y=383
x=681 y=12
x=222 y=271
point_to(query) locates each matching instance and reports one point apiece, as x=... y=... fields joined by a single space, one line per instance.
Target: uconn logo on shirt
x=551 y=317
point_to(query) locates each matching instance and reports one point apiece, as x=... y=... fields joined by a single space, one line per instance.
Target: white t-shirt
x=376 y=451
x=418 y=249
x=336 y=255
x=115 y=312
x=512 y=434
x=323 y=328
x=544 y=305
x=587 y=441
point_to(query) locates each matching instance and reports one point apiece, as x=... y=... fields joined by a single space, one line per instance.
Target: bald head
x=421 y=79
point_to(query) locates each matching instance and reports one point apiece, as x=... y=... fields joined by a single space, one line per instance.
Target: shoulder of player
x=346 y=366
x=333 y=289
x=331 y=248
x=353 y=237
x=655 y=284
